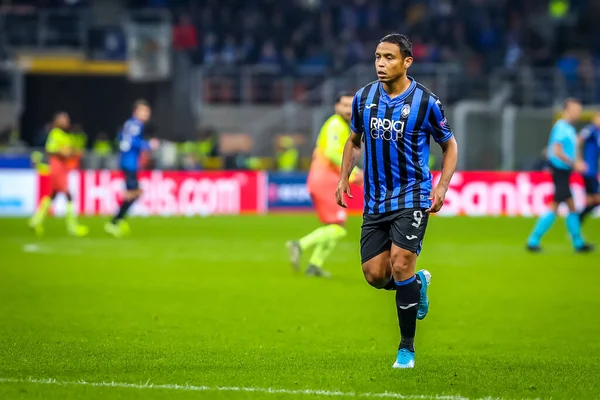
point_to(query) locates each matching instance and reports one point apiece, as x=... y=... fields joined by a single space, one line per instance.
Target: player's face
x=573 y=111
x=344 y=108
x=389 y=62
x=596 y=119
x=142 y=113
x=63 y=121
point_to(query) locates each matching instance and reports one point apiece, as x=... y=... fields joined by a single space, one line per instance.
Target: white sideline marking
x=36 y=248
x=194 y=388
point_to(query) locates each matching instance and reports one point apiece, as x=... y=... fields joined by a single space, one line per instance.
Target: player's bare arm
x=449 y=161
x=349 y=160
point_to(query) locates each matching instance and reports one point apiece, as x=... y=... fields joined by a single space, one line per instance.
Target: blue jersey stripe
x=372 y=98
x=410 y=129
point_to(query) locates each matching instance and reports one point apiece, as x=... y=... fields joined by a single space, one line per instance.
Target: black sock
x=587 y=211
x=53 y=195
x=407 y=302
x=68 y=195
x=122 y=211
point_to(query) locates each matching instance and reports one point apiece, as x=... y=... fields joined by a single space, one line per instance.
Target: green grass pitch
x=212 y=303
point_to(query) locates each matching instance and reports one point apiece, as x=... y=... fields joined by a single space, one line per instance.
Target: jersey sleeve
x=356 y=123
x=438 y=124
x=57 y=140
x=561 y=134
x=131 y=138
x=586 y=133
x=334 y=147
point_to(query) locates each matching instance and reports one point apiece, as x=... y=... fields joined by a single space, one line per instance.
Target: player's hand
x=437 y=197
x=580 y=166
x=343 y=187
x=154 y=143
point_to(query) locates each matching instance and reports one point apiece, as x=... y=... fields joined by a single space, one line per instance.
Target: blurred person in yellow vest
x=208 y=142
x=187 y=155
x=79 y=141
x=60 y=151
x=321 y=183
x=287 y=155
x=102 y=149
x=194 y=153
x=38 y=158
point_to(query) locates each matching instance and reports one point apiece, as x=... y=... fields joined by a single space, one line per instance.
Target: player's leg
x=592 y=198
x=37 y=220
x=407 y=233
x=73 y=226
x=562 y=192
x=375 y=247
x=324 y=249
x=117 y=226
x=574 y=228
x=543 y=224
x=324 y=239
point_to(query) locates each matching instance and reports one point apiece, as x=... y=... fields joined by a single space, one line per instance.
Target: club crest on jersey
x=405 y=111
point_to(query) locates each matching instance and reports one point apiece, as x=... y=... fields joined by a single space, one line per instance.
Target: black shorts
x=405 y=228
x=562 y=190
x=131 y=180
x=592 y=186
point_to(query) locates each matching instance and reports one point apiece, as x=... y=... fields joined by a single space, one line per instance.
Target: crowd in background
x=479 y=34
x=335 y=34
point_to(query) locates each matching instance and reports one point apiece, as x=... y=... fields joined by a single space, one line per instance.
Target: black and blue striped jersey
x=397 y=133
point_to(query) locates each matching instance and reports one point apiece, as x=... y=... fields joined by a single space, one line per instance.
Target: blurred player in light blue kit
x=131 y=145
x=563 y=159
x=589 y=142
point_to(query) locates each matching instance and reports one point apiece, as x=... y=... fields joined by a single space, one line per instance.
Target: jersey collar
x=398 y=99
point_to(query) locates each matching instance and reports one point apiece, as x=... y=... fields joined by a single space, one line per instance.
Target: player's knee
x=338 y=231
x=403 y=261
x=375 y=275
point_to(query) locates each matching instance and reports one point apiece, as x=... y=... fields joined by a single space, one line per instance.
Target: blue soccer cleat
x=404 y=359
x=425 y=277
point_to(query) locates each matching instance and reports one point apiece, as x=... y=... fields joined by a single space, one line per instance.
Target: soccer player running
x=396 y=115
x=60 y=150
x=131 y=144
x=322 y=181
x=562 y=156
x=589 y=146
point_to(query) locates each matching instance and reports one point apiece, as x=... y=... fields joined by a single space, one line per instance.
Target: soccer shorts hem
x=562 y=190
x=592 y=185
x=131 y=180
x=327 y=209
x=405 y=228
x=59 y=182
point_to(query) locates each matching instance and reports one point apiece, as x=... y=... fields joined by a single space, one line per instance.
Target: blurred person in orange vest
x=59 y=148
x=322 y=182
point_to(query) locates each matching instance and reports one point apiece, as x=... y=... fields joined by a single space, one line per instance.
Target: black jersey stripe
x=386 y=161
